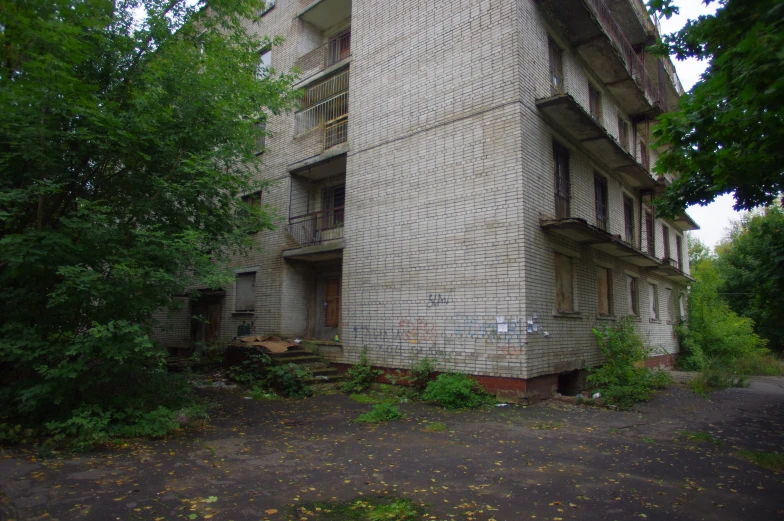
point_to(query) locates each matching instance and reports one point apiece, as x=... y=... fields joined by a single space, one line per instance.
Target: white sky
x=714 y=219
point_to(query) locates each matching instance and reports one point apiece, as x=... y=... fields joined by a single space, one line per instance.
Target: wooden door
x=212 y=334
x=332 y=297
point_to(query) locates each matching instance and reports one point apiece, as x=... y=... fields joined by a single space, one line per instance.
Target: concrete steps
x=322 y=371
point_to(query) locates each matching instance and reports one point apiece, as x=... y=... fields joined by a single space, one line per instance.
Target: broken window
x=650 y=234
x=653 y=291
x=245 y=292
x=556 y=68
x=595 y=102
x=562 y=181
x=632 y=296
x=628 y=219
x=604 y=291
x=564 y=283
x=600 y=196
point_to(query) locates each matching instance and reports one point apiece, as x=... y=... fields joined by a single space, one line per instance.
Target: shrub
x=421 y=373
x=290 y=380
x=382 y=412
x=455 y=391
x=251 y=371
x=716 y=375
x=623 y=379
x=360 y=376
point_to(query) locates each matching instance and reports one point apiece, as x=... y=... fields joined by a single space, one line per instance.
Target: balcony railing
x=670 y=68
x=317 y=227
x=335 y=50
x=633 y=62
x=336 y=132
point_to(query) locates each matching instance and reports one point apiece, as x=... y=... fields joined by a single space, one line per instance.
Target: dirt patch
x=266 y=459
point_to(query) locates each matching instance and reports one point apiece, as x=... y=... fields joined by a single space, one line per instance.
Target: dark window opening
x=628 y=219
x=562 y=181
x=601 y=199
x=650 y=234
x=556 y=68
x=666 y=243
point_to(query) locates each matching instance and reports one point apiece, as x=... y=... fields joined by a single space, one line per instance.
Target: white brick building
x=483 y=201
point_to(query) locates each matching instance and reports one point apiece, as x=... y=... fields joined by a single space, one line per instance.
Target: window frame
x=633 y=295
x=555 y=58
x=653 y=304
x=268 y=6
x=595 y=102
x=239 y=276
x=609 y=296
x=628 y=219
x=623 y=133
x=650 y=233
x=679 y=251
x=666 y=243
x=263 y=68
x=668 y=297
x=562 y=181
x=559 y=259
x=261 y=137
x=601 y=195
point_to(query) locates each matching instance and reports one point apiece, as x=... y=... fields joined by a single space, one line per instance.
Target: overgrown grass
x=382 y=412
x=770 y=460
x=760 y=365
x=365 y=509
x=435 y=427
x=456 y=391
x=716 y=376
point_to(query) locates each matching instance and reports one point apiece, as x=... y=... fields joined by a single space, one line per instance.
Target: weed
x=360 y=376
x=456 y=391
x=290 y=380
x=770 y=460
x=623 y=380
x=382 y=412
x=365 y=509
x=251 y=371
x=421 y=374
x=257 y=393
x=546 y=426
x=435 y=427
x=760 y=365
x=650 y=441
x=716 y=375
x=701 y=436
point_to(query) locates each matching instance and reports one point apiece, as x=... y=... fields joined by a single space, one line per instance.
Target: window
x=253 y=199
x=604 y=282
x=681 y=307
x=595 y=102
x=628 y=219
x=245 y=292
x=679 y=251
x=623 y=133
x=668 y=300
x=261 y=136
x=268 y=5
x=632 y=295
x=556 y=68
x=562 y=181
x=653 y=291
x=650 y=234
x=339 y=47
x=666 y=241
x=645 y=159
x=600 y=196
x=333 y=201
x=564 y=284
x=265 y=62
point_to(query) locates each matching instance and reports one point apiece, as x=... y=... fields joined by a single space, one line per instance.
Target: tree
x=125 y=144
x=751 y=264
x=728 y=135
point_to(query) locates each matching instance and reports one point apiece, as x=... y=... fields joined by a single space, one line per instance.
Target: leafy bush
x=360 y=376
x=290 y=380
x=421 y=373
x=456 y=391
x=382 y=412
x=623 y=379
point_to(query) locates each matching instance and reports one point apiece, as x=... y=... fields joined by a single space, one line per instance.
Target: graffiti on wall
x=435 y=300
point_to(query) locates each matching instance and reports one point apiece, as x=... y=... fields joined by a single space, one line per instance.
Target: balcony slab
x=329 y=250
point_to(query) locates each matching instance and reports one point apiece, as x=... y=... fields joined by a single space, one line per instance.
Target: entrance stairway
x=323 y=372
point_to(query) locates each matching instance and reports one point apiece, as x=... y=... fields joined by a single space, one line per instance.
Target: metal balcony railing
x=317 y=227
x=336 y=132
x=633 y=62
x=670 y=68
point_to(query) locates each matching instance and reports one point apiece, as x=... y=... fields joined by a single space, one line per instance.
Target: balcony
x=563 y=112
x=331 y=54
x=592 y=29
x=325 y=109
x=317 y=227
x=324 y=14
x=668 y=268
x=579 y=231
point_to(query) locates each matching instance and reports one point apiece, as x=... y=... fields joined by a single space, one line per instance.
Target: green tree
x=751 y=265
x=728 y=135
x=125 y=144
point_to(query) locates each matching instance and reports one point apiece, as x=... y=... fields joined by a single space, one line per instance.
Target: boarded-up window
x=564 y=284
x=604 y=291
x=601 y=199
x=653 y=294
x=666 y=242
x=632 y=295
x=556 y=67
x=562 y=181
x=650 y=234
x=245 y=298
x=668 y=301
x=595 y=102
x=332 y=298
x=628 y=219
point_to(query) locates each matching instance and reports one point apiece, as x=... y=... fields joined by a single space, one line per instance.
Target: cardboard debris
x=269 y=344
